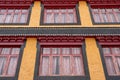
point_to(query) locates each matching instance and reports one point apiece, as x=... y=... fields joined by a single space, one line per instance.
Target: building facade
x=59 y=40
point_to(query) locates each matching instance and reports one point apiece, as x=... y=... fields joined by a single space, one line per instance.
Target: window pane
x=110 y=66
x=2 y=64
x=118 y=62
x=66 y=65
x=97 y=17
x=46 y=50
x=112 y=18
x=23 y=18
x=5 y=51
x=50 y=18
x=45 y=65
x=78 y=66
x=104 y=16
x=15 y=51
x=115 y=51
x=55 y=50
x=106 y=50
x=12 y=66
x=56 y=67
x=15 y=19
x=65 y=50
x=75 y=50
x=8 y=17
x=1 y=18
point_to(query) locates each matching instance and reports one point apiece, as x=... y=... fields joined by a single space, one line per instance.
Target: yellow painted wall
x=94 y=60
x=28 y=60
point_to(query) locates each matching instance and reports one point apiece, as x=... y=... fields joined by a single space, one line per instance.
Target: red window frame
x=9 y=14
x=106 y=15
x=61 y=73
x=11 y=57
x=113 y=64
x=60 y=12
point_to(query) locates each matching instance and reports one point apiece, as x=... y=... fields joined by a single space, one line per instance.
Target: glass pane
x=1 y=18
x=23 y=18
x=112 y=18
x=56 y=18
x=15 y=19
x=78 y=66
x=8 y=17
x=118 y=16
x=115 y=51
x=106 y=50
x=17 y=11
x=10 y=11
x=45 y=65
x=24 y=11
x=2 y=64
x=110 y=66
x=15 y=50
x=46 y=50
x=5 y=51
x=75 y=50
x=71 y=18
x=56 y=67
x=48 y=10
x=12 y=66
x=104 y=16
x=65 y=50
x=96 y=17
x=118 y=63
x=55 y=50
x=50 y=18
x=66 y=65
x=70 y=10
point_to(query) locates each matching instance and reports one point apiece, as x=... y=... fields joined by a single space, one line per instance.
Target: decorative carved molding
x=59 y=39
x=109 y=40
x=15 y=3
x=11 y=40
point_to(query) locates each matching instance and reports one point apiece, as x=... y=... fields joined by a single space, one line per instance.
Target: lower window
x=112 y=60
x=61 y=61
x=8 y=61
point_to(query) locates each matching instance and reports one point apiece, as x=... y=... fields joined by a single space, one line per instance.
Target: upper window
x=8 y=61
x=112 y=60
x=61 y=61
x=106 y=15
x=60 y=16
x=13 y=15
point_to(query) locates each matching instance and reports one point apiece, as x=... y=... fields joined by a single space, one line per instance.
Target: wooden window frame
x=107 y=14
x=103 y=44
x=12 y=14
x=71 y=55
x=19 y=57
x=40 y=45
x=113 y=56
x=8 y=56
x=76 y=15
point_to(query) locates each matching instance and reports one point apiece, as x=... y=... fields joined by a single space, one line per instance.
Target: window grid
x=112 y=59
x=8 y=61
x=106 y=15
x=60 y=16
x=13 y=15
x=61 y=72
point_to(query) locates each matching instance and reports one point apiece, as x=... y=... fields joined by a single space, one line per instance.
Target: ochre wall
x=28 y=60
x=94 y=60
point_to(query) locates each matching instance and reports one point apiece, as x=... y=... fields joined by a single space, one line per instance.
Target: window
x=60 y=16
x=8 y=61
x=13 y=15
x=61 y=61
x=112 y=60
x=106 y=15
